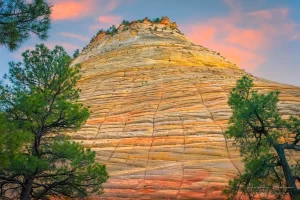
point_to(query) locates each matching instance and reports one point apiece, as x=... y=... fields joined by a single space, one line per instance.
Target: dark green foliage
x=76 y=53
x=139 y=20
x=155 y=28
x=156 y=20
x=20 y=18
x=125 y=22
x=93 y=38
x=111 y=30
x=11 y=141
x=259 y=132
x=37 y=109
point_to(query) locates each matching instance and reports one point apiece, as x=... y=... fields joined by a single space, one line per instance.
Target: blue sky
x=262 y=37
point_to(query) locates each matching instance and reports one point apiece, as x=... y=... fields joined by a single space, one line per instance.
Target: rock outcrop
x=159 y=112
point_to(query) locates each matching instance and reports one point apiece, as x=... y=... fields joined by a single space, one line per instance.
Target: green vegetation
x=19 y=19
x=111 y=30
x=260 y=132
x=76 y=53
x=156 y=20
x=37 y=109
x=155 y=28
x=125 y=23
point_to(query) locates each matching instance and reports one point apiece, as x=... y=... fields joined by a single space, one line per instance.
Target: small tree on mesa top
x=20 y=18
x=76 y=53
x=260 y=132
x=38 y=108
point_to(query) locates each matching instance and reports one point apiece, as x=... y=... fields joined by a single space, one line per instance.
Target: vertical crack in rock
x=212 y=117
x=206 y=191
x=226 y=140
x=114 y=151
x=153 y=125
x=99 y=127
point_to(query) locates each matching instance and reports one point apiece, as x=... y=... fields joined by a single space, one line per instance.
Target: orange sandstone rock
x=159 y=112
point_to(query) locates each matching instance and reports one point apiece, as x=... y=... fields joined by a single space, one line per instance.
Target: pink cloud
x=110 y=19
x=244 y=38
x=76 y=36
x=105 y=21
x=75 y=9
x=71 y=9
x=263 y=14
x=269 y=14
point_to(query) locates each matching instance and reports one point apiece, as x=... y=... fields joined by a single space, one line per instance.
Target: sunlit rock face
x=159 y=113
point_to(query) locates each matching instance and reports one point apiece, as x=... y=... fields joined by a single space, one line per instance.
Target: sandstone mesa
x=159 y=112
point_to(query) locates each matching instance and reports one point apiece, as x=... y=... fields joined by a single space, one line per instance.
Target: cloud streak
x=76 y=36
x=244 y=38
x=105 y=21
x=63 y=10
x=110 y=19
x=77 y=9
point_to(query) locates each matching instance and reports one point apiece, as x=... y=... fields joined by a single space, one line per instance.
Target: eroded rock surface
x=159 y=112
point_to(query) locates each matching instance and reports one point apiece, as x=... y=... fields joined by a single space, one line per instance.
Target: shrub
x=111 y=30
x=76 y=53
x=125 y=22
x=156 y=20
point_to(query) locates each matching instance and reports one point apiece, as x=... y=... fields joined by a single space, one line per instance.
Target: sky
x=260 y=36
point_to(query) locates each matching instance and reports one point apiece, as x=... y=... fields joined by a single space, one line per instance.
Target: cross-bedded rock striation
x=159 y=112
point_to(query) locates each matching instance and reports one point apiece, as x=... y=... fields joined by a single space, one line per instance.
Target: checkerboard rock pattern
x=159 y=113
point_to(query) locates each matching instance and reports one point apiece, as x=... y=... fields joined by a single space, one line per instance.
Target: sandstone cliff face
x=159 y=112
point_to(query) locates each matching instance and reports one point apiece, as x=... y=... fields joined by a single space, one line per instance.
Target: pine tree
x=76 y=53
x=39 y=108
x=21 y=18
x=259 y=131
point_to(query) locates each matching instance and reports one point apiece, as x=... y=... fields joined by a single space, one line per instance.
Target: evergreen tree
x=156 y=20
x=21 y=18
x=38 y=109
x=76 y=53
x=111 y=30
x=260 y=133
x=125 y=22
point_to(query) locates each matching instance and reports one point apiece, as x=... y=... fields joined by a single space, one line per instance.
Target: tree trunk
x=25 y=194
x=290 y=182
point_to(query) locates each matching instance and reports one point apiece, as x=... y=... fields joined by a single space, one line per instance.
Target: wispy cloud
x=244 y=38
x=76 y=36
x=77 y=9
x=110 y=19
x=63 y=10
x=105 y=21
